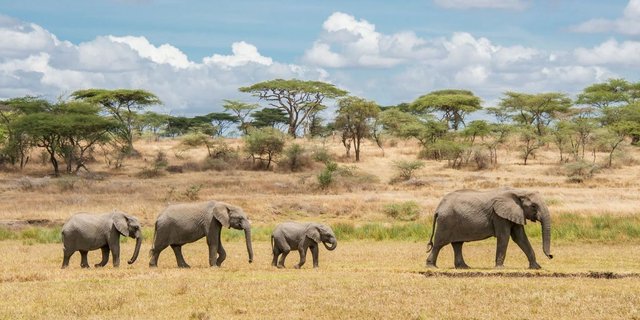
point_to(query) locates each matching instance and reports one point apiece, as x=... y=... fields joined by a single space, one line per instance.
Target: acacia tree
x=355 y=117
x=298 y=98
x=122 y=105
x=454 y=105
x=65 y=130
x=17 y=144
x=242 y=111
x=536 y=110
x=269 y=117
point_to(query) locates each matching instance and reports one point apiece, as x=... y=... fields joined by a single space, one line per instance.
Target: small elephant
x=85 y=232
x=184 y=223
x=469 y=215
x=300 y=236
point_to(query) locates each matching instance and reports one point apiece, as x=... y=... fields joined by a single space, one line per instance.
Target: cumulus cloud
x=611 y=52
x=34 y=62
x=348 y=42
x=482 y=4
x=628 y=24
x=243 y=53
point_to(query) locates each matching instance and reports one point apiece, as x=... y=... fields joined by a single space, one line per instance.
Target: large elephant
x=85 y=232
x=468 y=215
x=179 y=224
x=300 y=236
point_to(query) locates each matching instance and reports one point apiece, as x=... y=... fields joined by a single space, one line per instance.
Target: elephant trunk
x=138 y=237
x=334 y=244
x=247 y=236
x=545 y=220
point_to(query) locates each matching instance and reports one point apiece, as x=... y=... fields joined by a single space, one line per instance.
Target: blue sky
x=193 y=54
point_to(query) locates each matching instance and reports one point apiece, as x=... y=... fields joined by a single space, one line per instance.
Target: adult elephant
x=85 y=232
x=469 y=215
x=179 y=224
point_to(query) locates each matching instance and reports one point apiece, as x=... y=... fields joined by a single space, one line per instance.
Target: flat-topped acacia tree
x=298 y=98
x=122 y=104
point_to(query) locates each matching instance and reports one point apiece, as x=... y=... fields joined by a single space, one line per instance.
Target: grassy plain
x=374 y=274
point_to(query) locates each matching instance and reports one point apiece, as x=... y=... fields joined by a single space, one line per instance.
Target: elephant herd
x=461 y=216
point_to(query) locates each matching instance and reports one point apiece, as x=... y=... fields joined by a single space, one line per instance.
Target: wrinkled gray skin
x=300 y=236
x=468 y=215
x=179 y=224
x=85 y=232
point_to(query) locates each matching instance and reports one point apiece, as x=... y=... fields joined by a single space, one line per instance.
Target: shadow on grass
x=520 y=274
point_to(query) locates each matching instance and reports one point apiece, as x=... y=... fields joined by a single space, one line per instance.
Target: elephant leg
x=114 y=245
x=315 y=254
x=84 y=262
x=213 y=240
x=66 y=256
x=105 y=257
x=155 y=254
x=520 y=237
x=433 y=256
x=501 y=250
x=282 y=258
x=458 y=259
x=222 y=255
x=276 y=253
x=303 y=257
x=177 y=250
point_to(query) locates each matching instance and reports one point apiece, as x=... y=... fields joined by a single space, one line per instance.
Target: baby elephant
x=300 y=236
x=85 y=232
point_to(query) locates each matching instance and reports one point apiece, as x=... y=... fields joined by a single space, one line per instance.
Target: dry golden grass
x=361 y=279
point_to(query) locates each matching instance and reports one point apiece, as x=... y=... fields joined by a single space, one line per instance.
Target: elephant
x=85 y=232
x=469 y=215
x=183 y=223
x=300 y=236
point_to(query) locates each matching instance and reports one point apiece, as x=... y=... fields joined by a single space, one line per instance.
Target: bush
x=580 y=171
x=405 y=211
x=406 y=169
x=321 y=154
x=264 y=145
x=296 y=158
x=192 y=191
x=326 y=176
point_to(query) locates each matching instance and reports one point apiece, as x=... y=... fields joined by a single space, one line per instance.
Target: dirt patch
x=506 y=274
x=21 y=224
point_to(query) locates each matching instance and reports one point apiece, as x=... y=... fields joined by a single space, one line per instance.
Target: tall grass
x=568 y=227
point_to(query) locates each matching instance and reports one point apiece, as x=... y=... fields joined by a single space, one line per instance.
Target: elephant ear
x=221 y=213
x=505 y=206
x=313 y=233
x=121 y=224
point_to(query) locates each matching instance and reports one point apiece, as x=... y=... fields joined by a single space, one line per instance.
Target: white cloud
x=611 y=52
x=34 y=62
x=164 y=54
x=628 y=24
x=243 y=53
x=481 y=4
x=348 y=42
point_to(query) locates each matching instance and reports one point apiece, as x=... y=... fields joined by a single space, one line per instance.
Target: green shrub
x=404 y=211
x=326 y=176
x=296 y=158
x=580 y=171
x=405 y=169
x=321 y=154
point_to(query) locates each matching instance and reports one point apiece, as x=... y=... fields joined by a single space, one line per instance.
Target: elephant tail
x=271 y=243
x=433 y=229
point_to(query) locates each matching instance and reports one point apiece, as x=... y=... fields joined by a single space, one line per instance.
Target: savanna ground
x=375 y=273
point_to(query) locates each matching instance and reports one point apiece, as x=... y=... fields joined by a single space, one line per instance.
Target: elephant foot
x=97 y=265
x=431 y=265
x=462 y=266
x=84 y=266
x=153 y=265
x=297 y=266
x=534 y=266
x=185 y=266
x=499 y=266
x=280 y=266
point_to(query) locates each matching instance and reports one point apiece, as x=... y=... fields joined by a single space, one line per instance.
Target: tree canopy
x=454 y=105
x=297 y=98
